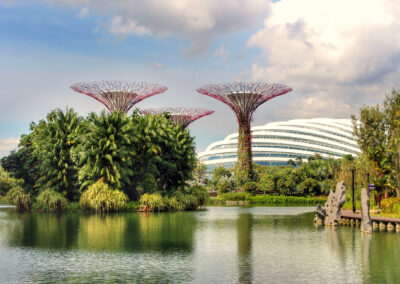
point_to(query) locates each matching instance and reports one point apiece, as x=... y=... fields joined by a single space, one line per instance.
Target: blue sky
x=320 y=51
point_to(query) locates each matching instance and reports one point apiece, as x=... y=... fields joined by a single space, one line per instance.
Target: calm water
x=219 y=245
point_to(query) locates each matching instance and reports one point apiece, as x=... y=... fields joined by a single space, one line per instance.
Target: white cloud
x=83 y=13
x=336 y=54
x=222 y=52
x=8 y=144
x=196 y=21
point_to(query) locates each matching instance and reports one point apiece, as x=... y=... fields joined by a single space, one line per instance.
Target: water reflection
x=100 y=232
x=244 y=224
x=220 y=245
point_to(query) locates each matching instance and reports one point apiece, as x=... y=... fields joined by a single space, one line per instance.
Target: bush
x=51 y=201
x=190 y=198
x=388 y=204
x=310 y=187
x=225 y=184
x=152 y=202
x=285 y=200
x=234 y=196
x=7 y=182
x=99 y=197
x=250 y=187
x=16 y=196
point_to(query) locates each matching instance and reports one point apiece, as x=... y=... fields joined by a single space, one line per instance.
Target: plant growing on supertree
x=244 y=99
x=182 y=116
x=118 y=95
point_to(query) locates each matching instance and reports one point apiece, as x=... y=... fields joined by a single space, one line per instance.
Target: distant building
x=275 y=143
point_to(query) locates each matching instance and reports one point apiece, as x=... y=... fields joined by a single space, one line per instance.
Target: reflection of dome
x=275 y=143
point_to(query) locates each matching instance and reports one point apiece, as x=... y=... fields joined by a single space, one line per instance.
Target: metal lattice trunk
x=118 y=95
x=182 y=116
x=244 y=99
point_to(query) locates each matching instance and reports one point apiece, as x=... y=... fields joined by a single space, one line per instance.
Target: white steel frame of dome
x=277 y=142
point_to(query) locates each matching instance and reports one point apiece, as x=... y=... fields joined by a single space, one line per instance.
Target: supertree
x=182 y=116
x=244 y=99
x=118 y=95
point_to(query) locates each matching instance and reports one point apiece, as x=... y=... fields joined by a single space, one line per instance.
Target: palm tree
x=53 y=140
x=106 y=150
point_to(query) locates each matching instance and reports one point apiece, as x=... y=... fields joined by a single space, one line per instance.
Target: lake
x=217 y=245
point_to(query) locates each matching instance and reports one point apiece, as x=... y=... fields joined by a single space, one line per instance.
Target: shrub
x=16 y=196
x=7 y=182
x=234 y=196
x=388 y=204
x=250 y=187
x=310 y=187
x=200 y=192
x=51 y=201
x=285 y=200
x=225 y=184
x=99 y=197
x=152 y=202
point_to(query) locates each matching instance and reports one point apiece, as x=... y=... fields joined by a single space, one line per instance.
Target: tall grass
x=16 y=196
x=101 y=198
x=190 y=199
x=51 y=201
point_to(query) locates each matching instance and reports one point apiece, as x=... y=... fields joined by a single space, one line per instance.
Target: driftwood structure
x=366 y=223
x=331 y=213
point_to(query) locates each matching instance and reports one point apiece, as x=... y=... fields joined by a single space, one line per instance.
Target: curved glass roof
x=277 y=142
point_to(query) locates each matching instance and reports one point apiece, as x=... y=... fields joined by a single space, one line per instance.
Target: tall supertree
x=182 y=116
x=244 y=99
x=118 y=95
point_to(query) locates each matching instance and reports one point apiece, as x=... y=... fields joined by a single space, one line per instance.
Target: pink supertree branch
x=244 y=98
x=182 y=116
x=118 y=95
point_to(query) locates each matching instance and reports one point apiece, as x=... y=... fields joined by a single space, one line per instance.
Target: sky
x=337 y=55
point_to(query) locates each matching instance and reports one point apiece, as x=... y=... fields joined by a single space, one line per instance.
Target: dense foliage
x=51 y=201
x=134 y=154
x=101 y=198
x=377 y=131
x=7 y=182
x=317 y=177
x=16 y=196
x=190 y=199
x=106 y=150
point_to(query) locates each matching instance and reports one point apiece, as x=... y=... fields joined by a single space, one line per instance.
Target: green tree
x=106 y=150
x=392 y=119
x=166 y=154
x=53 y=141
x=372 y=136
x=7 y=182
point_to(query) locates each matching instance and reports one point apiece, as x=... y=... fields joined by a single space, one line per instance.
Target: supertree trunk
x=244 y=99
x=244 y=153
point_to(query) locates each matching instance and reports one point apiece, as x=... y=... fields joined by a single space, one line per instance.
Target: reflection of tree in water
x=43 y=230
x=111 y=232
x=384 y=258
x=101 y=232
x=244 y=224
x=161 y=231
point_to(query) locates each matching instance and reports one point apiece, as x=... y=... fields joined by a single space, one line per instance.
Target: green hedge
x=285 y=200
x=270 y=199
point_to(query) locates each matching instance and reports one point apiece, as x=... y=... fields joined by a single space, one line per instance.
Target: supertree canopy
x=118 y=95
x=182 y=116
x=244 y=99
